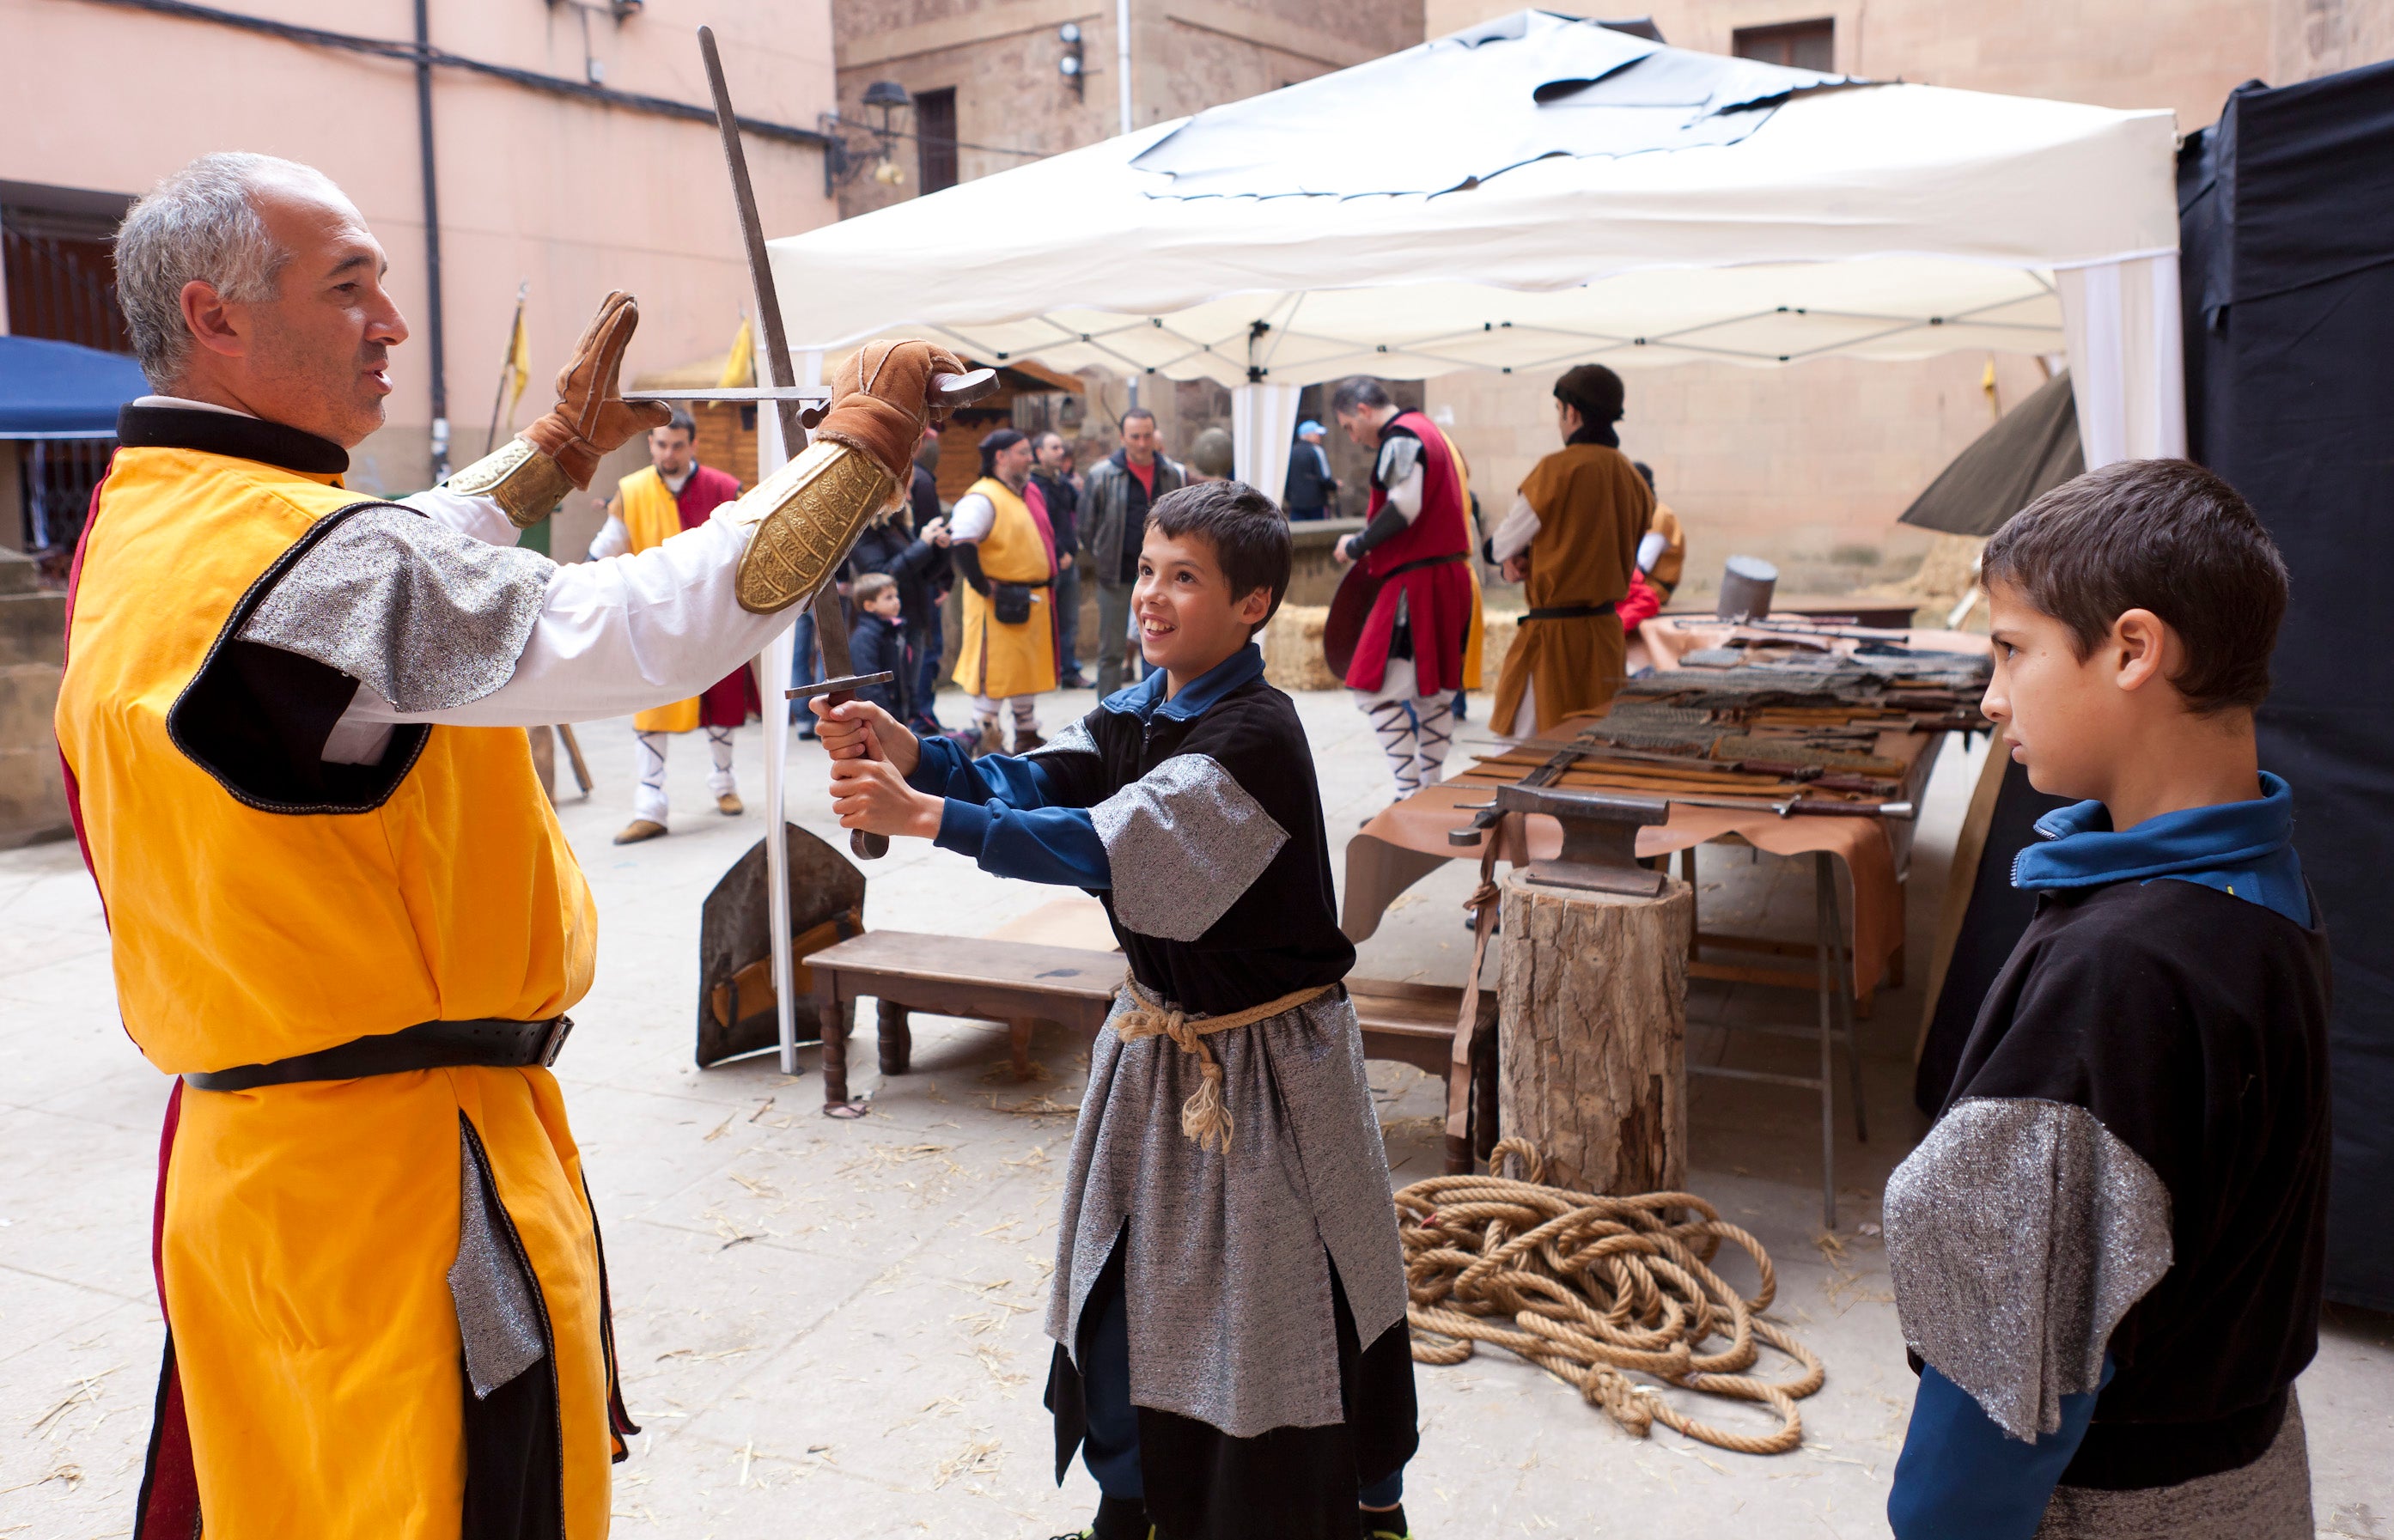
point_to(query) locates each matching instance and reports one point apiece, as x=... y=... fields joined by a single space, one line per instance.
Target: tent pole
x=1122 y=60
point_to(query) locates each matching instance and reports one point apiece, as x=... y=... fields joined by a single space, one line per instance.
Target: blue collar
x=1145 y=699
x=2242 y=848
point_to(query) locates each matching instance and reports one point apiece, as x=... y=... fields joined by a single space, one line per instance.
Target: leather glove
x=591 y=416
x=881 y=401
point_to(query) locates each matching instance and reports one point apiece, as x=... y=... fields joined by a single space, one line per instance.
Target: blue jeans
x=927 y=682
x=1068 y=620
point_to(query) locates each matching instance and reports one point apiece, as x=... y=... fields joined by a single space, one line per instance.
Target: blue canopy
x=63 y=389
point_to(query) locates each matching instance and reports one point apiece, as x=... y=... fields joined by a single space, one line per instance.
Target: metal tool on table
x=1599 y=851
x=1485 y=815
x=830 y=620
x=1812 y=806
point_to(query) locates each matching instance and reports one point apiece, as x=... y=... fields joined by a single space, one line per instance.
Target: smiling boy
x=2107 y=1252
x=1229 y=1306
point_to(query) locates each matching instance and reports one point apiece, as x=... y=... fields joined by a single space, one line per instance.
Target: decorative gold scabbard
x=520 y=478
x=806 y=515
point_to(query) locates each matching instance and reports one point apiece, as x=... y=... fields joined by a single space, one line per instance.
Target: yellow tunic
x=995 y=659
x=306 y=1230
x=651 y=517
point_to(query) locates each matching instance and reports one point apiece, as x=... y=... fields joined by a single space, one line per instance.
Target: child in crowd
x=878 y=643
x=2107 y=1253
x=1229 y=1308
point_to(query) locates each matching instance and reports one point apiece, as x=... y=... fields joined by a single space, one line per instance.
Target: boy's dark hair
x=1351 y=395
x=869 y=587
x=1246 y=529
x=2164 y=535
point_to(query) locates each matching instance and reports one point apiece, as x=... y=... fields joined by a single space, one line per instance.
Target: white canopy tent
x=1532 y=193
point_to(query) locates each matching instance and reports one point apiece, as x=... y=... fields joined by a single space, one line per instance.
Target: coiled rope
x=1590 y=1288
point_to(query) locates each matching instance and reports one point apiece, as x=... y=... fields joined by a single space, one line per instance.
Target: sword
x=830 y=628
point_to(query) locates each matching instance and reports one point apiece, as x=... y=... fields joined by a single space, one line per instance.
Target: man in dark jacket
x=1064 y=504
x=916 y=559
x=1310 y=485
x=1113 y=521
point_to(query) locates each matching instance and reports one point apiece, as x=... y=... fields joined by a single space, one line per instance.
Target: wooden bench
x=1022 y=984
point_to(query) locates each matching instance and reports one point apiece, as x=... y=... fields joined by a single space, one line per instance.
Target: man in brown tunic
x=1571 y=538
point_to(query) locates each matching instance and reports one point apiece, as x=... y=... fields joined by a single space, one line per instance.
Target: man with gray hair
x=342 y=912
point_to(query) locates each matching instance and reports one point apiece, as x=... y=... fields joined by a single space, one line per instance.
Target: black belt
x=1570 y=611
x=426 y=1046
x=1419 y=562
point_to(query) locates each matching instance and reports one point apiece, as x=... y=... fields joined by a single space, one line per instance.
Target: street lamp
x=1070 y=66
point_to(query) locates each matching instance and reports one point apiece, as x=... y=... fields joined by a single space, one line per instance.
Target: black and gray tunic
x=2106 y=1254
x=1265 y=1291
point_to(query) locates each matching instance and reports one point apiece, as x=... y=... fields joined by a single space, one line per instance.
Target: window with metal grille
x=1801 y=45
x=58 y=264
x=935 y=138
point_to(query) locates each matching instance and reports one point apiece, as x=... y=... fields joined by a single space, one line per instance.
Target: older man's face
x=317 y=355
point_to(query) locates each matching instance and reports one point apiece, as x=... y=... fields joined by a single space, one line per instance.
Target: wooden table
x=1023 y=983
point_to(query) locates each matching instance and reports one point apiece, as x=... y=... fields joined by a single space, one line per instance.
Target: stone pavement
x=834 y=1328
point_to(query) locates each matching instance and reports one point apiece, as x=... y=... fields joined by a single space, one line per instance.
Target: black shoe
x=1118 y=1519
x=1382 y=1526
x=1074 y=681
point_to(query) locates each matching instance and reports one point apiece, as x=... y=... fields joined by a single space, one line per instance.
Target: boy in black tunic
x=1231 y=1355
x=2107 y=1252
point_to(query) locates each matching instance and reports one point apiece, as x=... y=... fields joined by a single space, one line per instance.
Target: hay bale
x=1293 y=657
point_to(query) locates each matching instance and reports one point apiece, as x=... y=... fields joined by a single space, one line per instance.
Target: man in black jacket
x=1113 y=521
x=915 y=558
x=1063 y=516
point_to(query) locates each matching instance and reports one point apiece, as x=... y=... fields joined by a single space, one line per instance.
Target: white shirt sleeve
x=1515 y=531
x=477 y=517
x=971 y=520
x=613 y=635
x=613 y=539
x=1649 y=550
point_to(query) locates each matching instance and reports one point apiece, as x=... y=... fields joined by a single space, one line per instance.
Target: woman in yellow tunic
x=341 y=912
x=1572 y=538
x=1005 y=549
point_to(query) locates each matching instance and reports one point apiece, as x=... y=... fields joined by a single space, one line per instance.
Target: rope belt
x=1202 y=1116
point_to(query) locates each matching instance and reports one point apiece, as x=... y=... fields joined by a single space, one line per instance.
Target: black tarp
x=2032 y=449
x=2286 y=209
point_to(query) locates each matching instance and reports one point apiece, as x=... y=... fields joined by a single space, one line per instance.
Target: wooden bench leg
x=832 y=1022
x=1020 y=1034
x=897 y=1038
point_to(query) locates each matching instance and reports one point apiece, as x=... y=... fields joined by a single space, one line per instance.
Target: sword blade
x=751 y=393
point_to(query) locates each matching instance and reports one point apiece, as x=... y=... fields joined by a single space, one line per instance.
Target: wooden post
x=1592 y=1022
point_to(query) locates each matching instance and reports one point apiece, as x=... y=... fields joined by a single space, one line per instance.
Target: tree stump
x=1592 y=1030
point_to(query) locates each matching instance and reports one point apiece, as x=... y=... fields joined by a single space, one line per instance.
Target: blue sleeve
x=998 y=813
x=1962 y=1478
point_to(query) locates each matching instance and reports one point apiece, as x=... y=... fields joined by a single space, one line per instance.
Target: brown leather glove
x=880 y=402
x=591 y=416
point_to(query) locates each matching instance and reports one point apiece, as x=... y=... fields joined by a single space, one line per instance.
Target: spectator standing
x=1004 y=549
x=1113 y=523
x=909 y=555
x=1310 y=485
x=1661 y=554
x=1052 y=470
x=650 y=507
x=1572 y=538
x=939 y=580
x=878 y=643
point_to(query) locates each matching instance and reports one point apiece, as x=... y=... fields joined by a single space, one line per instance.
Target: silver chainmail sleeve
x=1183 y=842
x=1074 y=738
x=497 y=1321
x=2019 y=1234
x=429 y=617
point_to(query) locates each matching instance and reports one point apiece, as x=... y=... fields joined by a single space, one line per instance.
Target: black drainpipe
x=431 y=244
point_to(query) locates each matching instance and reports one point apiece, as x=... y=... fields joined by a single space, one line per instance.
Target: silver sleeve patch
x=429 y=617
x=2019 y=1234
x=1398 y=458
x=1183 y=842
x=1074 y=738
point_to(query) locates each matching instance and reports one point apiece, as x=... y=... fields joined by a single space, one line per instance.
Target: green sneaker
x=1383 y=1525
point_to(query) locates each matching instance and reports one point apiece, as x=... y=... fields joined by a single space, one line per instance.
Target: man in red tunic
x=650 y=506
x=1408 y=662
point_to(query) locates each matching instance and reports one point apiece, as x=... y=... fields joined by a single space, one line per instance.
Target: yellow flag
x=739 y=365
x=519 y=363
